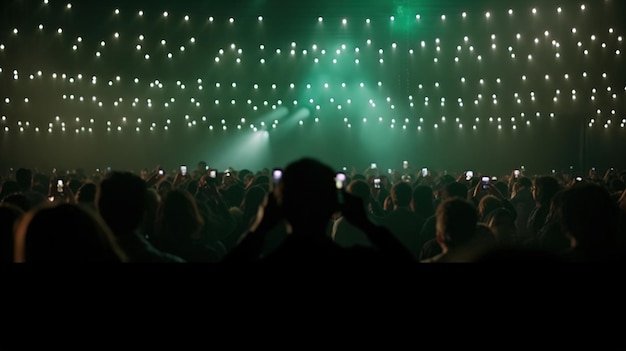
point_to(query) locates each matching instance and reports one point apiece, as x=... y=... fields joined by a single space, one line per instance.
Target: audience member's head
x=422 y=201
x=360 y=189
x=589 y=217
x=87 y=194
x=179 y=218
x=121 y=200
x=307 y=194
x=453 y=190
x=502 y=224
x=487 y=204
x=24 y=178
x=9 y=187
x=18 y=200
x=544 y=189
x=65 y=233
x=401 y=194
x=456 y=223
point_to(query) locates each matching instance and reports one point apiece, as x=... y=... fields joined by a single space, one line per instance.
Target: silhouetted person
x=180 y=229
x=429 y=229
x=344 y=233
x=306 y=199
x=543 y=190
x=423 y=201
x=402 y=221
x=589 y=218
x=65 y=233
x=456 y=231
x=24 y=179
x=121 y=201
x=524 y=205
x=551 y=237
x=86 y=195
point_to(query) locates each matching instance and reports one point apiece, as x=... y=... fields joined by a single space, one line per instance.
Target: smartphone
x=405 y=164
x=516 y=173
x=579 y=179
x=373 y=166
x=593 y=169
x=97 y=170
x=213 y=174
x=60 y=185
x=206 y=168
x=161 y=172
x=345 y=169
x=108 y=169
x=424 y=172
x=485 y=182
x=390 y=171
x=183 y=170
x=376 y=183
x=340 y=181
x=51 y=198
x=494 y=179
x=277 y=175
x=553 y=171
x=469 y=175
x=54 y=171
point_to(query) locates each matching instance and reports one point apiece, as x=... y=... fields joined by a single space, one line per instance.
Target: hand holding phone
x=277 y=176
x=376 y=183
x=469 y=175
x=183 y=170
x=60 y=186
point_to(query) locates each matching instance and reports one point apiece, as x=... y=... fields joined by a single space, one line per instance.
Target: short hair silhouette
x=24 y=178
x=401 y=194
x=308 y=193
x=456 y=222
x=65 y=233
x=121 y=201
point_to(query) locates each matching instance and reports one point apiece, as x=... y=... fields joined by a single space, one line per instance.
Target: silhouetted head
x=253 y=199
x=544 y=189
x=486 y=205
x=19 y=200
x=502 y=224
x=360 y=189
x=455 y=189
x=524 y=182
x=456 y=222
x=65 y=233
x=24 y=178
x=121 y=201
x=503 y=188
x=589 y=216
x=87 y=194
x=401 y=194
x=9 y=215
x=179 y=218
x=9 y=187
x=423 y=197
x=308 y=194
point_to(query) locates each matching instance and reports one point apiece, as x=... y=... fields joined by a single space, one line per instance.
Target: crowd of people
x=309 y=213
